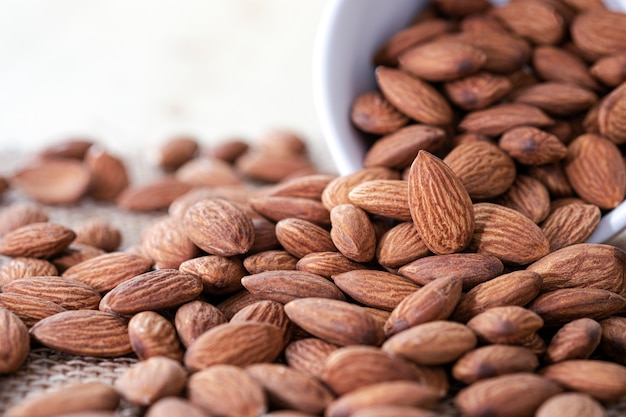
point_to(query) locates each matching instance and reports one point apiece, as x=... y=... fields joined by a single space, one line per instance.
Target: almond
x=175 y=151
x=478 y=91
x=208 y=172
x=415 y=98
x=148 y=381
x=67 y=293
x=309 y=355
x=237 y=344
x=157 y=195
x=392 y=411
x=372 y=113
x=15 y=344
x=152 y=335
x=74 y=332
x=337 y=191
x=514 y=395
x=72 y=148
x=219 y=227
x=497 y=119
x=553 y=177
x=20 y=214
x=174 y=407
x=285 y=286
x=444 y=219
x=577 y=339
x=17 y=268
x=166 y=242
x=531 y=146
x=266 y=311
x=226 y=390
x=105 y=272
x=610 y=115
x=327 y=264
x=493 y=360
x=387 y=198
x=378 y=289
x=108 y=174
x=154 y=290
x=610 y=70
x=99 y=234
x=571 y=404
x=235 y=302
x=506 y=324
x=194 y=318
x=272 y=167
x=278 y=208
x=75 y=254
x=528 y=196
x=400 y=245
x=300 y=237
x=558 y=64
x=507 y=234
x=534 y=20
x=605 y=381
x=36 y=240
x=219 y=274
x=556 y=98
x=613 y=341
x=570 y=224
x=228 y=150
x=352 y=232
x=306 y=186
x=599 y=32
x=270 y=260
x=29 y=309
x=483 y=168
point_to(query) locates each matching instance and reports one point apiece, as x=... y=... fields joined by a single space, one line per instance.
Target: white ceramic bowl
x=349 y=33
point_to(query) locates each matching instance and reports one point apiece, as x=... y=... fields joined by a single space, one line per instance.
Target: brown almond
x=337 y=191
x=20 y=267
x=155 y=290
x=493 y=360
x=180 y=205
x=558 y=64
x=570 y=224
x=175 y=151
x=327 y=264
x=514 y=395
x=478 y=91
x=352 y=232
x=378 y=289
x=399 y=148
x=584 y=265
x=74 y=254
x=611 y=113
x=306 y=186
x=291 y=389
x=106 y=271
x=166 y=242
x=599 y=32
x=72 y=148
x=98 y=233
x=285 y=286
x=393 y=411
x=562 y=306
x=572 y=404
x=228 y=150
x=74 y=332
x=15 y=344
x=266 y=311
x=516 y=288
x=278 y=208
x=416 y=98
x=613 y=341
x=398 y=393
x=434 y=301
x=237 y=344
x=372 y=113
x=604 y=381
x=553 y=177
x=148 y=381
x=20 y=214
x=309 y=355
x=506 y=324
x=30 y=309
x=264 y=236
x=208 y=172
x=557 y=98
x=36 y=240
x=157 y=195
x=497 y=119
x=235 y=302
x=531 y=146
x=449 y=223
x=387 y=198
x=534 y=20
x=528 y=196
x=471 y=268
x=68 y=399
x=270 y=260
x=610 y=70
x=483 y=168
x=219 y=274
x=335 y=321
x=434 y=343
x=577 y=339
x=109 y=175
x=194 y=318
x=226 y=390
x=507 y=234
x=53 y=181
x=174 y=407
x=400 y=245
x=67 y=293
x=438 y=60
x=219 y=227
x=300 y=237
x=272 y=166
x=153 y=335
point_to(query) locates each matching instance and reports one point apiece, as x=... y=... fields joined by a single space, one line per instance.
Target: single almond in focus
x=152 y=335
x=15 y=344
x=67 y=293
x=285 y=286
x=372 y=113
x=194 y=318
x=400 y=245
x=219 y=274
x=506 y=325
x=301 y=237
x=352 y=232
x=309 y=354
x=577 y=339
x=36 y=240
x=494 y=360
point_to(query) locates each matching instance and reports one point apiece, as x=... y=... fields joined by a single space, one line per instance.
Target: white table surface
x=132 y=73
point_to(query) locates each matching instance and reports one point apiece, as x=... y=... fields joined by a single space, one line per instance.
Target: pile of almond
x=451 y=269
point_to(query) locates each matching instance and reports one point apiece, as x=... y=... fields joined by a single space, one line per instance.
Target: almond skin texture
x=80 y=398
x=483 y=168
x=20 y=214
x=387 y=198
x=17 y=268
x=15 y=344
x=219 y=227
x=334 y=321
x=478 y=91
x=98 y=233
x=493 y=360
x=599 y=32
x=535 y=21
x=610 y=115
x=601 y=184
x=556 y=98
x=237 y=344
x=300 y=237
x=337 y=191
x=85 y=333
x=372 y=113
x=166 y=242
x=285 y=286
x=378 y=289
x=154 y=290
x=308 y=355
x=577 y=339
x=28 y=308
x=497 y=119
x=440 y=206
x=352 y=232
x=605 y=381
x=194 y=318
x=67 y=293
x=434 y=301
x=507 y=234
x=613 y=341
x=400 y=245
x=36 y=240
x=219 y=274
x=513 y=395
x=570 y=224
x=433 y=343
x=413 y=97
x=226 y=390
x=558 y=64
x=152 y=335
x=571 y=404
x=531 y=146
x=266 y=311
x=278 y=208
x=528 y=196
x=270 y=260
x=327 y=264
x=506 y=325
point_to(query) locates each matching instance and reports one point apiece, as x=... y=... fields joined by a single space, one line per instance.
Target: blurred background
x=130 y=74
